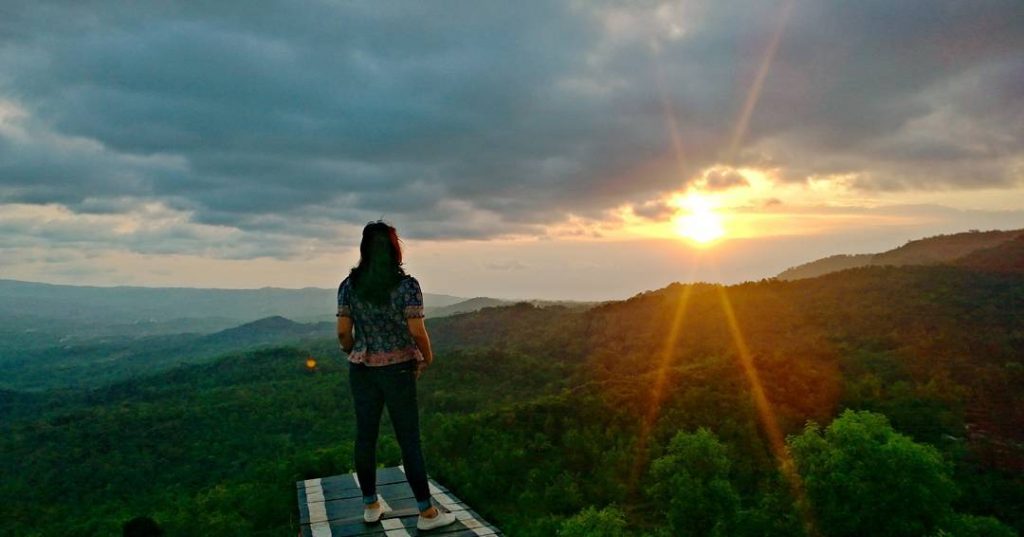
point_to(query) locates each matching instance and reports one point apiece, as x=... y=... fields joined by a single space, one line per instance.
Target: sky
x=561 y=150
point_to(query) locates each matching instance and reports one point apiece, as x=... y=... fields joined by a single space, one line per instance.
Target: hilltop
x=935 y=250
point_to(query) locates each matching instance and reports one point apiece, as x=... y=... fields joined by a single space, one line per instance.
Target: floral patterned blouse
x=382 y=335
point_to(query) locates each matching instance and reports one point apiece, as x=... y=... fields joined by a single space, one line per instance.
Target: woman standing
x=386 y=356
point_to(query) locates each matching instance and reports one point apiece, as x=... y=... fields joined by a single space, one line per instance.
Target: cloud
x=656 y=210
x=723 y=179
x=149 y=228
x=290 y=127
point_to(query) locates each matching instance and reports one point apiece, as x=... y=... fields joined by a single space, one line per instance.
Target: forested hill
x=634 y=418
x=98 y=362
x=941 y=249
x=935 y=349
x=1005 y=257
x=960 y=330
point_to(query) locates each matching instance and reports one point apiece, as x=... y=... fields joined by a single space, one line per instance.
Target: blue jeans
x=395 y=386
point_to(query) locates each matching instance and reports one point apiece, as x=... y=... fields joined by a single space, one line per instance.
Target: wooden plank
x=384 y=475
x=382 y=532
x=352 y=508
x=314 y=507
x=393 y=490
x=397 y=527
x=332 y=507
x=401 y=509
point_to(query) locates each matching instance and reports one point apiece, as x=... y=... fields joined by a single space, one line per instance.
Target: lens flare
x=766 y=415
x=657 y=393
x=750 y=103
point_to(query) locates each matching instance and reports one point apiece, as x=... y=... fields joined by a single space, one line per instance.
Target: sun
x=699 y=222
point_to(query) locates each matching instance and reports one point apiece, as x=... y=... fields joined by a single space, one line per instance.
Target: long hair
x=380 y=264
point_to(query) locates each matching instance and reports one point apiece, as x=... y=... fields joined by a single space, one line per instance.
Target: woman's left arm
x=345 y=338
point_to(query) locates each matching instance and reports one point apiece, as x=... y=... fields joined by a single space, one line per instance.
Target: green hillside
x=94 y=363
x=558 y=421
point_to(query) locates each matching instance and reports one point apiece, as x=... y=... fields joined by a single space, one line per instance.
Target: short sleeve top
x=382 y=335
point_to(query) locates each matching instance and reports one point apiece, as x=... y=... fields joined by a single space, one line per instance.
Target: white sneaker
x=443 y=518
x=373 y=515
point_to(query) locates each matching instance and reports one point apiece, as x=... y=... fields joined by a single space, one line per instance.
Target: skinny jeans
x=394 y=386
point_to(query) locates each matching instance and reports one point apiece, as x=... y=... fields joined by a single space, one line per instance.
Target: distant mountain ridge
x=481 y=302
x=92 y=363
x=268 y=330
x=38 y=352
x=134 y=305
x=470 y=304
x=940 y=249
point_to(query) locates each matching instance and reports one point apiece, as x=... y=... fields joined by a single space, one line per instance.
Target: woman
x=389 y=352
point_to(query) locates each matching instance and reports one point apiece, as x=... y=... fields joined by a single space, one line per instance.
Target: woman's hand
x=422 y=365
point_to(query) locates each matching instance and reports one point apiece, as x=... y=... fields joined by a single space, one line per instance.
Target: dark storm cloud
x=463 y=120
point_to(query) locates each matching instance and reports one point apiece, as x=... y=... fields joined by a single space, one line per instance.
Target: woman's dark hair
x=380 y=263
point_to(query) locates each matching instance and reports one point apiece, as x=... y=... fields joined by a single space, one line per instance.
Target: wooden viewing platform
x=333 y=507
